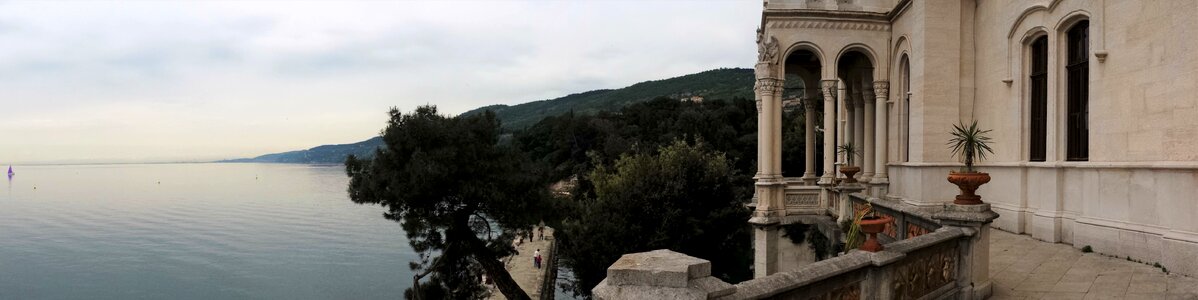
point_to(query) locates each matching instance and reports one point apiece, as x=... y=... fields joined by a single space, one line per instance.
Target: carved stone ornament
x=829 y=89
x=925 y=271
x=881 y=88
x=768 y=86
x=767 y=50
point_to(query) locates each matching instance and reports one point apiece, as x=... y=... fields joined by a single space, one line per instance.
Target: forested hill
x=327 y=154
x=714 y=84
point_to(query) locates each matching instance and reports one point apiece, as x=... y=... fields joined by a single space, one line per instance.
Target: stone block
x=657 y=268
x=661 y=274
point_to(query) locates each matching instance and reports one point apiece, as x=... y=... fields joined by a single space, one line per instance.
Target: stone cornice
x=817 y=14
x=829 y=24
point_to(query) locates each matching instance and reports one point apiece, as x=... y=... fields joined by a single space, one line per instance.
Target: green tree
x=682 y=198
x=449 y=182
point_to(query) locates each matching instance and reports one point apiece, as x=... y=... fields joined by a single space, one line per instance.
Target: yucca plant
x=970 y=143
x=849 y=150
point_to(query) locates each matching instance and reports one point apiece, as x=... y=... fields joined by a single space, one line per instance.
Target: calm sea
x=194 y=231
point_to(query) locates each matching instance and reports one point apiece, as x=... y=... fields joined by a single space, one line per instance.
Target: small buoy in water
x=160 y=182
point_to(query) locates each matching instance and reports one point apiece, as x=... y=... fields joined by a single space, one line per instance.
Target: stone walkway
x=520 y=266
x=1024 y=268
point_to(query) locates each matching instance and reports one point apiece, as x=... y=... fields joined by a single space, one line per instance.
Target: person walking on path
x=536 y=259
x=542 y=232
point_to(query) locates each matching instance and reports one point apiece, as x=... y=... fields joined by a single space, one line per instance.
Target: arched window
x=1038 y=96
x=905 y=68
x=1078 y=69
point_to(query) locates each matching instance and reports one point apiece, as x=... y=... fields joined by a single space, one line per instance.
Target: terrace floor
x=1025 y=268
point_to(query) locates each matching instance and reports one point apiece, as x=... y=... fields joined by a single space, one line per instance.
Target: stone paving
x=520 y=266
x=1024 y=268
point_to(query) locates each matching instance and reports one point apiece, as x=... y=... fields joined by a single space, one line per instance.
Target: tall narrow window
x=905 y=66
x=1078 y=69
x=1038 y=106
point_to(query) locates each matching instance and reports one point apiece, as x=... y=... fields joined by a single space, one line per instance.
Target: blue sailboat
x=10 y=173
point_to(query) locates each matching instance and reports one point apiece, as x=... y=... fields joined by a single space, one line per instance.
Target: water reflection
x=195 y=231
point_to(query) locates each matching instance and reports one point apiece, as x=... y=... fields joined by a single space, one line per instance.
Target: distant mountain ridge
x=714 y=84
x=326 y=154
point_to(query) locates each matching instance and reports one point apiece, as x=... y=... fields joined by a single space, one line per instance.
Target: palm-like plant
x=854 y=237
x=849 y=150
x=970 y=143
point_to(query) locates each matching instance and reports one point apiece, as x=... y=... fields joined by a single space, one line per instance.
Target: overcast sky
x=190 y=81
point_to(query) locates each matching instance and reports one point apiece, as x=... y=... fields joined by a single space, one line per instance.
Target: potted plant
x=848 y=169
x=870 y=224
x=969 y=143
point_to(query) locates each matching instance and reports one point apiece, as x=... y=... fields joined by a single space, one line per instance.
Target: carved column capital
x=828 y=87
x=768 y=86
x=881 y=88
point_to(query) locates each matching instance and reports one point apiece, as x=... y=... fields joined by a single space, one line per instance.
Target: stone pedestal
x=661 y=274
x=975 y=259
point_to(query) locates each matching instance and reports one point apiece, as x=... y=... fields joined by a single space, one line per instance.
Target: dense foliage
x=651 y=174
x=713 y=84
x=448 y=181
x=627 y=181
x=571 y=144
x=681 y=198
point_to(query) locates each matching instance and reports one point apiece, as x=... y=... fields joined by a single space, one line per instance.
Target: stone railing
x=938 y=263
x=907 y=221
x=802 y=199
x=548 y=289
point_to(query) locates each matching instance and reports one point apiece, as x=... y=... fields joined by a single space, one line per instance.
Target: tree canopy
x=447 y=180
x=682 y=198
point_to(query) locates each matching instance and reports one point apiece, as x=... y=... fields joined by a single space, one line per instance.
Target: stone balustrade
x=936 y=260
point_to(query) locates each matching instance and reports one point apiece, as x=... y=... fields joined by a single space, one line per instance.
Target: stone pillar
x=828 y=86
x=809 y=139
x=846 y=135
x=661 y=274
x=974 y=256
x=858 y=126
x=769 y=187
x=765 y=251
x=867 y=149
x=881 y=157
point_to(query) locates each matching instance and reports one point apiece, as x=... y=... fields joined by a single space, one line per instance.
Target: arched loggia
x=802 y=102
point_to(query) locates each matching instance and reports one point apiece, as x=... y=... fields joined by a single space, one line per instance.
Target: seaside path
x=521 y=266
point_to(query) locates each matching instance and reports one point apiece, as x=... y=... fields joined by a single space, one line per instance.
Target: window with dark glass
x=1077 y=128
x=906 y=69
x=1038 y=106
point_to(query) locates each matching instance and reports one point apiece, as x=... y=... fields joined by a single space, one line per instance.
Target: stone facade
x=895 y=75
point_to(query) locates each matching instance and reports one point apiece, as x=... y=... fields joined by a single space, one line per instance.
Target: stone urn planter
x=968 y=182
x=969 y=143
x=848 y=172
x=872 y=225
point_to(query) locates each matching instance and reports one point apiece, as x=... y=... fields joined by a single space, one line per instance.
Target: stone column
x=881 y=157
x=776 y=129
x=846 y=135
x=828 y=86
x=867 y=149
x=858 y=126
x=809 y=139
x=769 y=185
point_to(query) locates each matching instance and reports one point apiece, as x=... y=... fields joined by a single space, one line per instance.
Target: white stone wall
x=1138 y=193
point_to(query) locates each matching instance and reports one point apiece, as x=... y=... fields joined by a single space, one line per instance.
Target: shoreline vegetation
x=660 y=174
